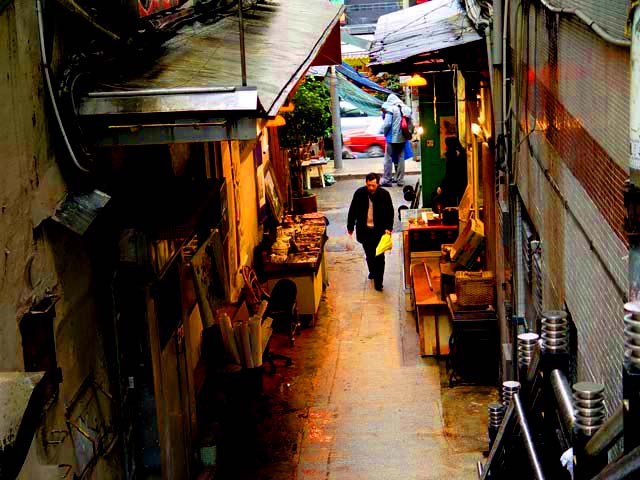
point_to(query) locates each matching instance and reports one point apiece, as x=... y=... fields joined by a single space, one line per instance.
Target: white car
x=351 y=117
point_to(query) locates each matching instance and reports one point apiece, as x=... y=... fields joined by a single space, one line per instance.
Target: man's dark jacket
x=382 y=212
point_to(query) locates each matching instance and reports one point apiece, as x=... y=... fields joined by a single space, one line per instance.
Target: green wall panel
x=432 y=164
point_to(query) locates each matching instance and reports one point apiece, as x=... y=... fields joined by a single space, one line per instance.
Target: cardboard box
x=469 y=243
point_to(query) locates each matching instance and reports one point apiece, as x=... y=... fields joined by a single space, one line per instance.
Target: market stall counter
x=423 y=231
x=297 y=253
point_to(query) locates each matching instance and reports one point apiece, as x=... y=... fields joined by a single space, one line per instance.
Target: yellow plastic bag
x=384 y=245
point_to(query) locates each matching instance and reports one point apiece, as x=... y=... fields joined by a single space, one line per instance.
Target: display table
x=308 y=280
x=473 y=344
x=432 y=317
x=307 y=166
x=303 y=263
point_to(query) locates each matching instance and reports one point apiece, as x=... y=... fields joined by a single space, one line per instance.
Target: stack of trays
x=555 y=331
x=588 y=402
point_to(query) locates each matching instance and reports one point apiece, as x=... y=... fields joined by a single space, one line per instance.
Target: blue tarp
x=351 y=73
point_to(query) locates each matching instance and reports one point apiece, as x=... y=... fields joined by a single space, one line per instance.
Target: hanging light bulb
x=417 y=81
x=278 y=121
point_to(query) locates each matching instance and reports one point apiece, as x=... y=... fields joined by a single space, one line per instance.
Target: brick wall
x=570 y=173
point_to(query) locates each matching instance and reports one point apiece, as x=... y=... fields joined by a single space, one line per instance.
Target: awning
x=353 y=75
x=192 y=90
x=423 y=29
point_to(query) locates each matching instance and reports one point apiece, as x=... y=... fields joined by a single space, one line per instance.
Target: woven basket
x=475 y=288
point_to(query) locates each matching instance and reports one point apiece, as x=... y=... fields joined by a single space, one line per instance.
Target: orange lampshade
x=287 y=107
x=278 y=121
x=417 y=81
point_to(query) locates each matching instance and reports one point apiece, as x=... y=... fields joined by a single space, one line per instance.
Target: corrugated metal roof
x=281 y=40
x=428 y=27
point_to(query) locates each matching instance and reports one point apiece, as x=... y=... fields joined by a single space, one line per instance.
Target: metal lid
x=555 y=315
x=528 y=337
x=633 y=308
x=588 y=389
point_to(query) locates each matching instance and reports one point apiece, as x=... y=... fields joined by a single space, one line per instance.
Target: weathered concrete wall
x=240 y=173
x=38 y=256
x=26 y=156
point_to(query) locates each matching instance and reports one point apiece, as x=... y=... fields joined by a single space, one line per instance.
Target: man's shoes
x=386 y=184
x=400 y=184
x=378 y=287
x=371 y=276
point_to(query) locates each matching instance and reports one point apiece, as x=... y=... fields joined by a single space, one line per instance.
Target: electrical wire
x=49 y=83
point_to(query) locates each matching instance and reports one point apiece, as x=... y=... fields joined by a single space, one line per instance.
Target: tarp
x=358 y=97
x=349 y=72
x=427 y=27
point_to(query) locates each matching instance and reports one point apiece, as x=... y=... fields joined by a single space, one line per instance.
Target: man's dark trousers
x=375 y=264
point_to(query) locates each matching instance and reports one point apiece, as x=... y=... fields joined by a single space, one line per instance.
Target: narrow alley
x=359 y=401
x=198 y=198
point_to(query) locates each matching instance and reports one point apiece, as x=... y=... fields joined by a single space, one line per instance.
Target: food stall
x=296 y=252
x=451 y=296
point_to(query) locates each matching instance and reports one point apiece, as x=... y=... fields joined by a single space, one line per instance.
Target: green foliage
x=311 y=119
x=390 y=81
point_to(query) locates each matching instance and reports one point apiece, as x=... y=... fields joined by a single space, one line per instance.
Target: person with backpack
x=397 y=129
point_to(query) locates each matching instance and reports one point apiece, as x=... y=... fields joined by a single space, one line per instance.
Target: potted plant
x=309 y=122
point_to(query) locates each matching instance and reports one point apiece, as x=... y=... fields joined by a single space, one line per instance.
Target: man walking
x=371 y=212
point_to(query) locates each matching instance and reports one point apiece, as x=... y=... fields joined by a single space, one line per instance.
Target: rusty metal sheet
x=281 y=39
x=428 y=27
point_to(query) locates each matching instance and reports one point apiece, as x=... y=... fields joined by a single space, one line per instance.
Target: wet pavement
x=356 y=168
x=359 y=402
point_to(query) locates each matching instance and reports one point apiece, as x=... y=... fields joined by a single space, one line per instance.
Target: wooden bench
x=432 y=317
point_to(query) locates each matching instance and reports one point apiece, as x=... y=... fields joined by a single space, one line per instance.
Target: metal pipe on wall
x=634 y=102
x=335 y=117
x=505 y=19
x=626 y=467
x=602 y=33
x=562 y=392
x=608 y=434
x=497 y=446
x=632 y=196
x=496 y=81
x=49 y=83
x=526 y=437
